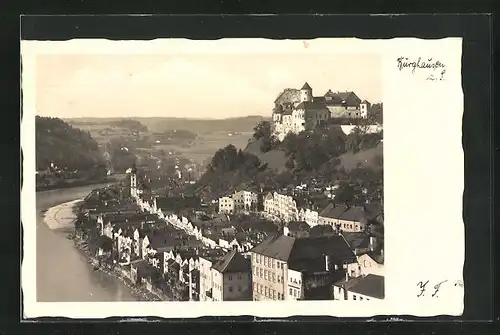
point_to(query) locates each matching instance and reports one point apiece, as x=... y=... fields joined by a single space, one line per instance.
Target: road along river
x=63 y=273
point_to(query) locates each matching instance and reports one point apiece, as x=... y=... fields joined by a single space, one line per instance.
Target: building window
x=360 y=298
x=279 y=296
x=239 y=276
x=273 y=263
x=274 y=278
x=261 y=273
x=230 y=289
x=265 y=291
x=230 y=277
x=291 y=291
x=279 y=280
x=239 y=288
x=354 y=297
x=265 y=274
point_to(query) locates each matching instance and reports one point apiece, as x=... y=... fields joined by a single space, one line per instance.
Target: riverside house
x=344 y=218
x=288 y=268
x=225 y=279
x=362 y=288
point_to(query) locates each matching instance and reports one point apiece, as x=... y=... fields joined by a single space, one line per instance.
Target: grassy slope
x=365 y=157
x=276 y=158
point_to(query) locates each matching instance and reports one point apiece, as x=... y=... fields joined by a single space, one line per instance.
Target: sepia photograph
x=217 y=172
x=209 y=178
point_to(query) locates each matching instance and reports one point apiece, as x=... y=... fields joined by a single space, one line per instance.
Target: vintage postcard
x=272 y=178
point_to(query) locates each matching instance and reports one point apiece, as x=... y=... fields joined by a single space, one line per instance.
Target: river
x=62 y=271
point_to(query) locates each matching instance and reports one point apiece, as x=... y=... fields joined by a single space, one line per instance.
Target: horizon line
x=154 y=117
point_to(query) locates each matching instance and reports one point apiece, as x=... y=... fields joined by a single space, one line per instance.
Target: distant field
x=205 y=146
x=160 y=124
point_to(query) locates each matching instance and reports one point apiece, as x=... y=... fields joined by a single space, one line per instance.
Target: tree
x=262 y=129
x=105 y=243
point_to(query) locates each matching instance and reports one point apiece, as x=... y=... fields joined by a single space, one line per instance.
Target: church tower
x=306 y=93
x=133 y=181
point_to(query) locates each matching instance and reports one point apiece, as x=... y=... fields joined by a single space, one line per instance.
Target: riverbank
x=62 y=217
x=65 y=184
x=140 y=292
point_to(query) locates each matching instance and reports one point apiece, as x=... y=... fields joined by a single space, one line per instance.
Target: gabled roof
x=277 y=247
x=370 y=285
x=306 y=86
x=333 y=211
x=317 y=247
x=349 y=98
x=356 y=240
x=232 y=262
x=298 y=226
x=309 y=105
x=299 y=251
x=355 y=213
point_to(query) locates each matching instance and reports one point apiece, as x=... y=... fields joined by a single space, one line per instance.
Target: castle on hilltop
x=298 y=110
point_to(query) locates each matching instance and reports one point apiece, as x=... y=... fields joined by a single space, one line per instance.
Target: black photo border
x=477 y=83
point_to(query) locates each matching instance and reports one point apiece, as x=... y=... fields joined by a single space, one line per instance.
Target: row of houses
x=281 y=267
x=282 y=207
x=242 y=201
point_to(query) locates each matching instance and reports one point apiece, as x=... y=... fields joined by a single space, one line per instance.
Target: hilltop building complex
x=298 y=110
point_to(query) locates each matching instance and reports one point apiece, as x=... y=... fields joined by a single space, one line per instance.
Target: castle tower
x=306 y=93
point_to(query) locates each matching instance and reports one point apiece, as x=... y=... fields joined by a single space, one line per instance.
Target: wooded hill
x=321 y=157
x=67 y=147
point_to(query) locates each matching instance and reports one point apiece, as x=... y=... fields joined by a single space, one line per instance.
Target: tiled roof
x=333 y=211
x=277 y=247
x=349 y=98
x=306 y=105
x=371 y=286
x=232 y=262
x=357 y=240
x=306 y=86
x=298 y=226
x=298 y=251
x=334 y=246
x=355 y=213
x=321 y=230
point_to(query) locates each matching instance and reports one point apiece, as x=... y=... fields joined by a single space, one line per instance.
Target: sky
x=193 y=86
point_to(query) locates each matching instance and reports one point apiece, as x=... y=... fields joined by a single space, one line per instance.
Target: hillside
x=318 y=158
x=275 y=158
x=66 y=147
x=366 y=158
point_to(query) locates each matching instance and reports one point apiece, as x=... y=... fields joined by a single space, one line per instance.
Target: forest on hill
x=66 y=155
x=313 y=157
